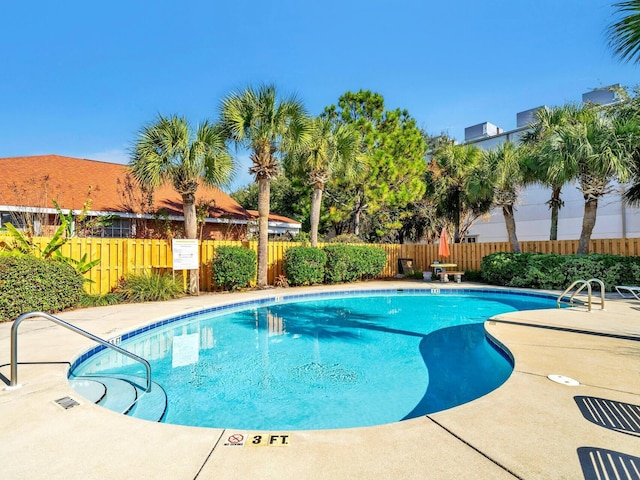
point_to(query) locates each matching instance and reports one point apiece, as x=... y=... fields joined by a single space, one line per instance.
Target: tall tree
x=593 y=148
x=548 y=170
x=393 y=148
x=332 y=149
x=505 y=164
x=269 y=127
x=168 y=151
x=624 y=34
x=461 y=185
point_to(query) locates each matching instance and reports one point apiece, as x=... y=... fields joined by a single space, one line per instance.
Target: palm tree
x=547 y=170
x=460 y=185
x=593 y=148
x=166 y=151
x=505 y=161
x=331 y=150
x=268 y=127
x=624 y=35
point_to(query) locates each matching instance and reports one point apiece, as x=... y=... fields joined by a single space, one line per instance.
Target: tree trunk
x=263 y=230
x=456 y=219
x=356 y=216
x=588 y=222
x=316 y=202
x=510 y=222
x=191 y=231
x=555 y=210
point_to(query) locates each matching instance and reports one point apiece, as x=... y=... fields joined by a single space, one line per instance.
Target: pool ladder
x=14 y=345
x=582 y=284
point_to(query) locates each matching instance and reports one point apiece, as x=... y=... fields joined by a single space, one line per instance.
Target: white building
x=533 y=215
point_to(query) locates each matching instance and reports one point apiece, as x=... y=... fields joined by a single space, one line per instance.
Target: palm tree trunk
x=510 y=222
x=316 y=202
x=555 y=210
x=263 y=230
x=191 y=231
x=588 y=222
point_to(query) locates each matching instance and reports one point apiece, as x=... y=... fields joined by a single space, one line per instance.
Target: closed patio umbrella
x=443 y=248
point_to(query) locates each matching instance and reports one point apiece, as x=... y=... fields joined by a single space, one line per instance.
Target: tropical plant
x=592 y=147
x=505 y=164
x=148 y=287
x=331 y=150
x=461 y=186
x=547 y=171
x=169 y=151
x=269 y=127
x=624 y=34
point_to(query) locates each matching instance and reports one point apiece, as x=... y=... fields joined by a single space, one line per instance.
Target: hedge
x=557 y=272
x=304 y=265
x=31 y=284
x=348 y=263
x=233 y=267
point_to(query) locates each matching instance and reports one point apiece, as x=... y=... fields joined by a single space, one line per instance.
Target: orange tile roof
x=35 y=181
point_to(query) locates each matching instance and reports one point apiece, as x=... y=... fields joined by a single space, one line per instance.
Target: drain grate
x=66 y=402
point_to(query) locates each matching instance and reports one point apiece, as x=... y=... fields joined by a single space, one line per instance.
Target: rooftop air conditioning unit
x=482 y=130
x=524 y=118
x=601 y=96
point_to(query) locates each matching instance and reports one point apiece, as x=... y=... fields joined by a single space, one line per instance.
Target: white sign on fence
x=185 y=254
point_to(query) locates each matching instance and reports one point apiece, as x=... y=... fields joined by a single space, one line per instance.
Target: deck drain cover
x=570 y=382
x=66 y=402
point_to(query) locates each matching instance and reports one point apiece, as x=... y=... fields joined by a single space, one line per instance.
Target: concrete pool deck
x=529 y=428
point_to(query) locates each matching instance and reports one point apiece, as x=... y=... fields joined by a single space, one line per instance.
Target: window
x=116 y=228
x=470 y=239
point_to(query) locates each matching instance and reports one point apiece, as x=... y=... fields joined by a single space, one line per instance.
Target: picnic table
x=441 y=269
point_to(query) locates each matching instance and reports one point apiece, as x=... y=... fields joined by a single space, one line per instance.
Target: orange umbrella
x=443 y=248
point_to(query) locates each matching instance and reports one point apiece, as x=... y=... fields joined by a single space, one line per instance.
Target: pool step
x=123 y=394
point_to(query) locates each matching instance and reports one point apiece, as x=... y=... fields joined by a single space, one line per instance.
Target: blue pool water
x=337 y=362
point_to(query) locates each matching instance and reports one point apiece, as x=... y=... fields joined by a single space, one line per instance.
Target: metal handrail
x=62 y=323
x=587 y=284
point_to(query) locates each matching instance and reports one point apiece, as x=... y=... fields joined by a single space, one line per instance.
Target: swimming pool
x=322 y=361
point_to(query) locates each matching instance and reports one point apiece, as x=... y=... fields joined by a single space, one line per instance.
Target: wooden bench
x=457 y=276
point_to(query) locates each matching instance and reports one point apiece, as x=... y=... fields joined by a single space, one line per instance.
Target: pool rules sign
x=185 y=254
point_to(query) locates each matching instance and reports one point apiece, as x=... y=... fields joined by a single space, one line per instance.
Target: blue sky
x=81 y=78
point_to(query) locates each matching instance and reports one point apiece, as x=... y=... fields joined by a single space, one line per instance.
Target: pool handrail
x=14 y=345
x=583 y=284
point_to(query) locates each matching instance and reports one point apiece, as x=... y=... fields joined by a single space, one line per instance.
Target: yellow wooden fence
x=121 y=256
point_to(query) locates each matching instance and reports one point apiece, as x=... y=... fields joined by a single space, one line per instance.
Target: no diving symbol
x=236 y=438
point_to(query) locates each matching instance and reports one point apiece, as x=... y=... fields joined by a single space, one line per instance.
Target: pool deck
x=529 y=428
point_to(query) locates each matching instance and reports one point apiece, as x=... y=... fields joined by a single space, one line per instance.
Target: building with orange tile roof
x=29 y=186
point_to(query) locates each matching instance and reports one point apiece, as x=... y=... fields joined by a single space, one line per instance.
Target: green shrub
x=148 y=287
x=101 y=299
x=233 y=267
x=473 y=276
x=557 y=272
x=348 y=263
x=30 y=284
x=304 y=265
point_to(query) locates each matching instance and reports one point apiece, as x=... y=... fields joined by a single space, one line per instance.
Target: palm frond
x=624 y=34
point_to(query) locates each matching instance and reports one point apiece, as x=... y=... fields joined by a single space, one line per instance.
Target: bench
x=457 y=276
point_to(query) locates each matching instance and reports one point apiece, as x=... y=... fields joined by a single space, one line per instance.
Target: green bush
x=101 y=299
x=148 y=287
x=557 y=272
x=304 y=265
x=348 y=263
x=31 y=284
x=233 y=267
